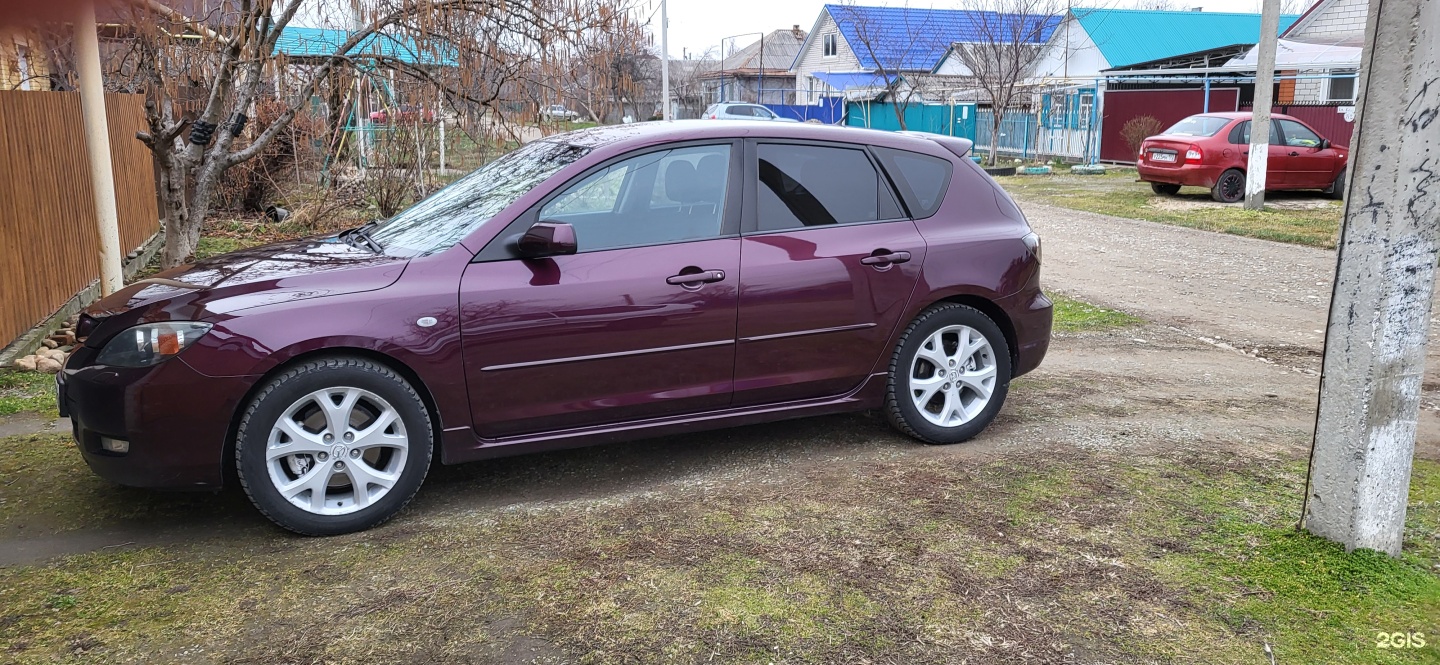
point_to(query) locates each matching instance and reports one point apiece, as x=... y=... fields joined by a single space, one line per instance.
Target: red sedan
x=1212 y=150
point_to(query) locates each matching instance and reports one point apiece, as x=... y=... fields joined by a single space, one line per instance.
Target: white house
x=1323 y=50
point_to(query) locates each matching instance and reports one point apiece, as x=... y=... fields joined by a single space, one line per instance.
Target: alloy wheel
x=952 y=376
x=336 y=451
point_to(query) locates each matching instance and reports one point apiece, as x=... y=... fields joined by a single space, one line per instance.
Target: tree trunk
x=995 y=138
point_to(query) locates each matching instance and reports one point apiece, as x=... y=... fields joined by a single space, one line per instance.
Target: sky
x=697 y=25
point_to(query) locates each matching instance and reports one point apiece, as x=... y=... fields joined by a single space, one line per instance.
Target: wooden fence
x=49 y=248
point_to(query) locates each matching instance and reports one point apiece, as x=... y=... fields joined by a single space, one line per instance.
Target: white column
x=664 y=63
x=97 y=143
x=1380 y=314
x=1264 y=98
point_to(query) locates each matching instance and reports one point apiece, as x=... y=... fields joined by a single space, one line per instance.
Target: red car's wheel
x=1230 y=187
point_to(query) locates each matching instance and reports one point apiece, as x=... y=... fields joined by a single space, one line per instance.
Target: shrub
x=1136 y=130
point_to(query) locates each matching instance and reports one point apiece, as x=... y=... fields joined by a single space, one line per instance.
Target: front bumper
x=175 y=419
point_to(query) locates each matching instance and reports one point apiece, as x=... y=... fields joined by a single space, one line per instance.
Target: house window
x=22 y=58
x=1342 y=89
x=1057 y=111
x=1087 y=107
x=829 y=45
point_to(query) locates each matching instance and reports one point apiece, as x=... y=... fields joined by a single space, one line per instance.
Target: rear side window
x=921 y=179
x=740 y=110
x=803 y=186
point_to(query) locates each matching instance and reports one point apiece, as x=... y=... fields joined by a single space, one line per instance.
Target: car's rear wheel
x=949 y=375
x=1230 y=187
x=1164 y=188
x=1337 y=188
x=333 y=445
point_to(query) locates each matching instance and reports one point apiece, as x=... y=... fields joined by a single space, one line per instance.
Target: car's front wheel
x=949 y=375
x=333 y=445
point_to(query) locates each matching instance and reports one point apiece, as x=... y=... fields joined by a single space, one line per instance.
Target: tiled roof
x=908 y=38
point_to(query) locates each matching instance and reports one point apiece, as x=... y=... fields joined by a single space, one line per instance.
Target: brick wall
x=1337 y=18
x=23 y=63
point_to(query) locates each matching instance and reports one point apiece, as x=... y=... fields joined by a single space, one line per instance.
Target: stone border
x=26 y=343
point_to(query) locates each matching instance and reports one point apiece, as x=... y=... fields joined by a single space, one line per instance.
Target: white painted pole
x=97 y=143
x=664 y=63
x=440 y=117
x=1264 y=98
x=1385 y=278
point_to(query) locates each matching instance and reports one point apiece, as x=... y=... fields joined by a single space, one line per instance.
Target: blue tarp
x=829 y=111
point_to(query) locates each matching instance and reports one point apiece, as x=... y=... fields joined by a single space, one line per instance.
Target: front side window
x=761 y=112
x=445 y=217
x=804 y=186
x=829 y=47
x=658 y=197
x=1342 y=86
x=1298 y=135
x=740 y=111
x=1198 y=125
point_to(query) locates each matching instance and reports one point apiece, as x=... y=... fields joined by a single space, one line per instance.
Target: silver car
x=742 y=111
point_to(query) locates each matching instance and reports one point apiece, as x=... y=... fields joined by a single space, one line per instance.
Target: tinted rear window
x=1198 y=125
x=803 y=186
x=922 y=179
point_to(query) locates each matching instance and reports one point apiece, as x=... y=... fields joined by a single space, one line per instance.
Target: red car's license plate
x=1162 y=157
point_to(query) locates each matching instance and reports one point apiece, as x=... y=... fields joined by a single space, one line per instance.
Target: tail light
x=712 y=116
x=1193 y=154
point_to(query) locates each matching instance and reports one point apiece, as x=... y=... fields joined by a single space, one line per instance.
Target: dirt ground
x=1117 y=512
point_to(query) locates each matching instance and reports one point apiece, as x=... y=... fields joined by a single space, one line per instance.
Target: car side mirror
x=546 y=239
x=1324 y=144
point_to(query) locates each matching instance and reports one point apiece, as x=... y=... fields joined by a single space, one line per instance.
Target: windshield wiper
x=363 y=233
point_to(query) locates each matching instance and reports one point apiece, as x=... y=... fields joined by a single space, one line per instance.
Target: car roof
x=1242 y=115
x=662 y=131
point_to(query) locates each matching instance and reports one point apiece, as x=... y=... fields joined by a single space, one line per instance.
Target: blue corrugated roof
x=848 y=80
x=321 y=42
x=1128 y=36
x=908 y=38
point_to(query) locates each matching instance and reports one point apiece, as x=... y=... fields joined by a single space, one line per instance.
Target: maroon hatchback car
x=605 y=284
x=1212 y=150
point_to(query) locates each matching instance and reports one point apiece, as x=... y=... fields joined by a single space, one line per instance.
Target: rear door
x=828 y=262
x=1278 y=165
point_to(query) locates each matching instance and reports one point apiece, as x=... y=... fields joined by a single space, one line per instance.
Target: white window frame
x=1086 y=108
x=829 y=45
x=22 y=63
x=1330 y=86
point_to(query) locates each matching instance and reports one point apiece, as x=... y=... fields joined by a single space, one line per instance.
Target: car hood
x=283 y=272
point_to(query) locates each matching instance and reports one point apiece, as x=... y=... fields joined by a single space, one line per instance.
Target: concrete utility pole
x=97 y=144
x=664 y=63
x=1385 y=277
x=1264 y=98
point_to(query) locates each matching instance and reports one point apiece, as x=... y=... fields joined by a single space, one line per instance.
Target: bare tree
x=204 y=77
x=895 y=48
x=688 y=82
x=1007 y=41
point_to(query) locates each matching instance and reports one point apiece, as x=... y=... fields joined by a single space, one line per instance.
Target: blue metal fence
x=1017 y=132
x=957 y=120
x=829 y=111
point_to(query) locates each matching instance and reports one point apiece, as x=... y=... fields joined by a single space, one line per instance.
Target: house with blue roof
x=860 y=51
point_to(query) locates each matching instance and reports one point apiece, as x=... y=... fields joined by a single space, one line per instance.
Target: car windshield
x=447 y=216
x=1198 y=125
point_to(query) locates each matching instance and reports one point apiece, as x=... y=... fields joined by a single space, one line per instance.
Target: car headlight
x=151 y=343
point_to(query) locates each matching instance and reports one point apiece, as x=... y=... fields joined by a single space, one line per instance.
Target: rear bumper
x=1192 y=175
x=1032 y=315
x=175 y=419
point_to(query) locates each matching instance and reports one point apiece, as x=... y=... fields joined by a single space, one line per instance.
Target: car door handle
x=886 y=259
x=696 y=278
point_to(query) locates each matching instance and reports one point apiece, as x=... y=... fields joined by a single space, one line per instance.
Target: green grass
x=1302 y=218
x=26 y=392
x=1190 y=558
x=1073 y=316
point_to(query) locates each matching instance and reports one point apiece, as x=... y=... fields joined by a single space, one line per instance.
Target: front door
x=1310 y=166
x=639 y=323
x=828 y=263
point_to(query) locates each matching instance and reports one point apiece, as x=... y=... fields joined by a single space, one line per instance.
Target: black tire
x=1337 y=188
x=1164 y=188
x=378 y=389
x=1229 y=187
x=900 y=407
